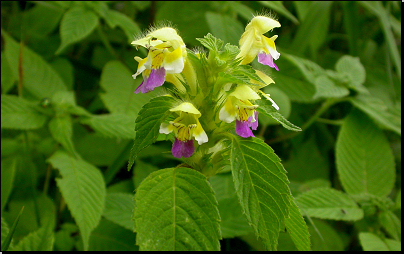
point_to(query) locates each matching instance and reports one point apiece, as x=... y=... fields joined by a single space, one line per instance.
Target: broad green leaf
x=389 y=221
x=175 y=209
x=141 y=171
x=296 y=89
x=64 y=102
x=148 y=124
x=119 y=87
x=115 y=18
x=244 y=11
x=40 y=240
x=398 y=200
x=18 y=113
x=265 y=107
x=42 y=20
x=111 y=237
x=7 y=76
x=352 y=67
x=365 y=165
x=328 y=203
x=325 y=88
x=282 y=100
x=8 y=168
x=39 y=78
x=309 y=69
x=233 y=222
x=371 y=242
x=297 y=228
x=379 y=112
x=65 y=70
x=279 y=8
x=393 y=245
x=220 y=27
x=112 y=125
x=262 y=187
x=77 y=23
x=62 y=131
x=324 y=237
x=119 y=208
x=83 y=188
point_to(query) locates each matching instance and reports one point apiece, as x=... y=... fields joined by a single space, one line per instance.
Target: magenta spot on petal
x=183 y=149
x=243 y=129
x=267 y=59
x=155 y=79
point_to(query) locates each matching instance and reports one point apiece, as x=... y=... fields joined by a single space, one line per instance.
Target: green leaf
x=40 y=240
x=175 y=209
x=233 y=222
x=265 y=107
x=112 y=125
x=62 y=131
x=282 y=100
x=219 y=25
x=309 y=69
x=7 y=76
x=115 y=18
x=8 y=168
x=393 y=245
x=141 y=171
x=148 y=124
x=18 y=113
x=119 y=87
x=371 y=242
x=297 y=228
x=42 y=20
x=324 y=237
x=39 y=78
x=77 y=23
x=83 y=188
x=354 y=70
x=211 y=42
x=279 y=8
x=65 y=70
x=389 y=221
x=379 y=112
x=119 y=208
x=262 y=187
x=365 y=165
x=296 y=89
x=325 y=88
x=4 y=233
x=328 y=203
x=5 y=243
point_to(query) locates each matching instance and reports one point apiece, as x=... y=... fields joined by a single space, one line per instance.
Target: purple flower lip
x=243 y=129
x=155 y=79
x=267 y=59
x=183 y=148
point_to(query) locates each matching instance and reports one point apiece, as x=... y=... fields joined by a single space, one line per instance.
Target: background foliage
x=68 y=112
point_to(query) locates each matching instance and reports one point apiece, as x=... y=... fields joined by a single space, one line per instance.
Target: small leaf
x=211 y=42
x=115 y=18
x=148 y=124
x=352 y=67
x=371 y=242
x=325 y=88
x=18 y=113
x=77 y=23
x=309 y=69
x=83 y=188
x=119 y=208
x=297 y=228
x=265 y=107
x=365 y=165
x=184 y=214
x=61 y=129
x=8 y=169
x=328 y=203
x=261 y=186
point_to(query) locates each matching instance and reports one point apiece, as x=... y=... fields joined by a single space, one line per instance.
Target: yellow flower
x=253 y=42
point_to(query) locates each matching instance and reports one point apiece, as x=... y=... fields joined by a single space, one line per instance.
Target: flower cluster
x=220 y=102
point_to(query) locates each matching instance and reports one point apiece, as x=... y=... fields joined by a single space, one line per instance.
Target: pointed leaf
x=328 y=203
x=40 y=240
x=148 y=124
x=297 y=228
x=8 y=169
x=5 y=243
x=365 y=165
x=175 y=209
x=262 y=187
x=82 y=186
x=77 y=23
x=61 y=129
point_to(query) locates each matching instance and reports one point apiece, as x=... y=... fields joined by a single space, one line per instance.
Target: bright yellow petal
x=244 y=92
x=188 y=108
x=263 y=24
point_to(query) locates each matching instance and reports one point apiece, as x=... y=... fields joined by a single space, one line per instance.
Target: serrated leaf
x=148 y=124
x=119 y=208
x=371 y=242
x=379 y=112
x=211 y=42
x=119 y=86
x=112 y=125
x=328 y=203
x=83 y=188
x=76 y=24
x=40 y=240
x=18 y=113
x=262 y=187
x=365 y=165
x=184 y=214
x=325 y=88
x=61 y=129
x=265 y=107
x=297 y=228
x=233 y=222
x=39 y=78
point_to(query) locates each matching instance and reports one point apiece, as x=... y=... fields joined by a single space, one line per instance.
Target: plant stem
x=329 y=121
